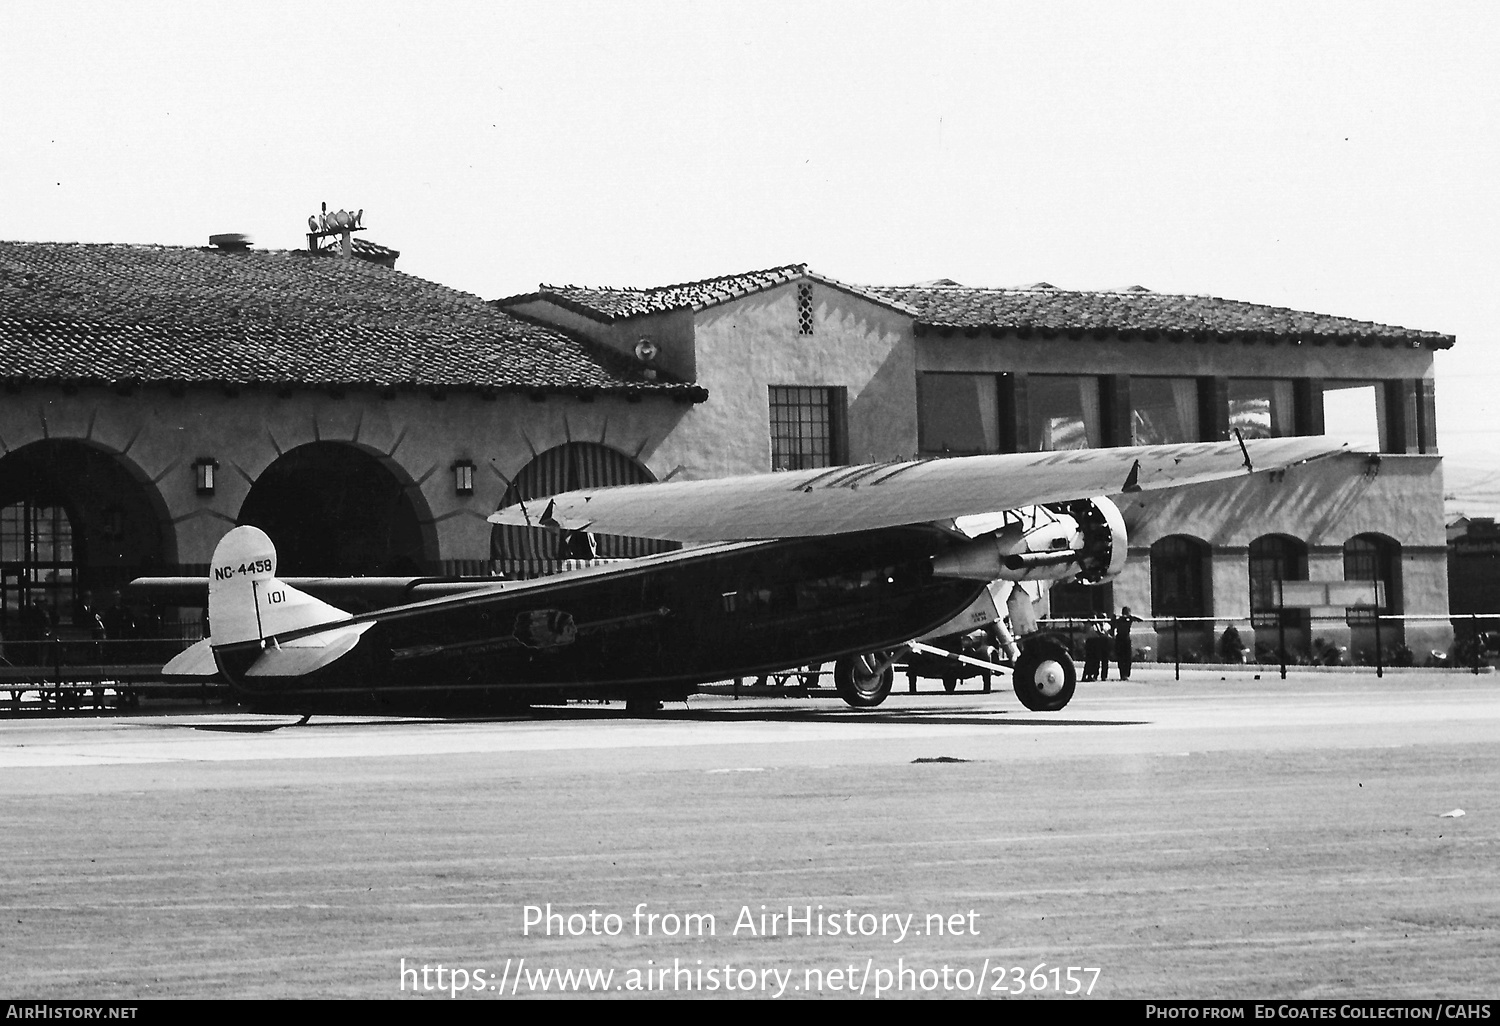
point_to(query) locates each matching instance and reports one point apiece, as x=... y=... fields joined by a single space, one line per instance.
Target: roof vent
x=230 y=242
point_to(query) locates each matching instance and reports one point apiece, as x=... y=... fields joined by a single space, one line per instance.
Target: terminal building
x=370 y=420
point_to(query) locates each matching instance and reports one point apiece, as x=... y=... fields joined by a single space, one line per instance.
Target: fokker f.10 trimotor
x=845 y=565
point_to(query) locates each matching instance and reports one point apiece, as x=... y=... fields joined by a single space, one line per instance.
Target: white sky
x=1336 y=157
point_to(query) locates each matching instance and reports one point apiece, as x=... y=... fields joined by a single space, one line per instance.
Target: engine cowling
x=1083 y=540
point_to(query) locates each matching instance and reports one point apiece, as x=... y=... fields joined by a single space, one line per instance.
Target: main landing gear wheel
x=863 y=681
x=1045 y=677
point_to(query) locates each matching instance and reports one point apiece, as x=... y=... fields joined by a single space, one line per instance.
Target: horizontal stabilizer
x=304 y=655
x=196 y=662
x=367 y=592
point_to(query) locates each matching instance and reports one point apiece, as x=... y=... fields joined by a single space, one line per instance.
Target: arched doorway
x=76 y=524
x=333 y=509
x=1182 y=587
x=528 y=551
x=1273 y=558
x=1374 y=557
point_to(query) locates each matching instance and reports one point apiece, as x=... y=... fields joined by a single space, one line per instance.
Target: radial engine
x=1083 y=541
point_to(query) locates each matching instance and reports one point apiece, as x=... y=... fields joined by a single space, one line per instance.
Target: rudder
x=246 y=601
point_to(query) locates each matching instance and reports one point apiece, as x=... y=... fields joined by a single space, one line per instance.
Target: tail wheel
x=863 y=681
x=1045 y=677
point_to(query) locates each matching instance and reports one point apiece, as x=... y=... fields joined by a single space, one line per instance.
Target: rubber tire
x=856 y=686
x=1033 y=656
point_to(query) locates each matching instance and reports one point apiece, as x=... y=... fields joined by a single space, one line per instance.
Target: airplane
x=847 y=565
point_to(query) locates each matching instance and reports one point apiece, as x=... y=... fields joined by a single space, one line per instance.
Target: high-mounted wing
x=837 y=500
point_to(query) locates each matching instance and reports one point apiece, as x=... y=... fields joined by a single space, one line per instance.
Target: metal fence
x=64 y=674
x=60 y=658
x=1202 y=640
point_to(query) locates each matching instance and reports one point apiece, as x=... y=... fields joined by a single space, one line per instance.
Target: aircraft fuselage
x=655 y=627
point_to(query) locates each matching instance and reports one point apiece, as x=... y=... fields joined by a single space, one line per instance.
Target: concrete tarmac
x=1208 y=838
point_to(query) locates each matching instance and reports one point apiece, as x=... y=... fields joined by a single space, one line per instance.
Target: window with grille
x=1181 y=577
x=36 y=564
x=1275 y=558
x=807 y=427
x=804 y=309
x=1369 y=557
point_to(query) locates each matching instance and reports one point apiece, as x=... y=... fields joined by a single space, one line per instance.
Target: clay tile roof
x=1045 y=307
x=610 y=304
x=87 y=313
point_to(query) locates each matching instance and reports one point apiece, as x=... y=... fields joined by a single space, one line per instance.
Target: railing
x=62 y=673
x=63 y=661
x=1476 y=639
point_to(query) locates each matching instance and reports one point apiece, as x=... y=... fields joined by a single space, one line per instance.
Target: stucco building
x=369 y=420
x=801 y=369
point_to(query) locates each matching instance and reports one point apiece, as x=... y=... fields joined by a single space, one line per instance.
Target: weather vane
x=339 y=223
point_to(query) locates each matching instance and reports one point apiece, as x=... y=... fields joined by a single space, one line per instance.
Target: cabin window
x=1163 y=410
x=958 y=414
x=842 y=589
x=807 y=427
x=1063 y=411
x=746 y=600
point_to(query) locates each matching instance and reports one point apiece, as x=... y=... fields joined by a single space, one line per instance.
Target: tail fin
x=246 y=602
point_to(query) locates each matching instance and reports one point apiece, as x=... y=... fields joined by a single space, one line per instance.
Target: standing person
x=36 y=625
x=1123 y=653
x=1096 y=651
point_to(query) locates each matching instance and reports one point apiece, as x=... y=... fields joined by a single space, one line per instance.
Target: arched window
x=530 y=550
x=1181 y=581
x=1273 y=558
x=1371 y=557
